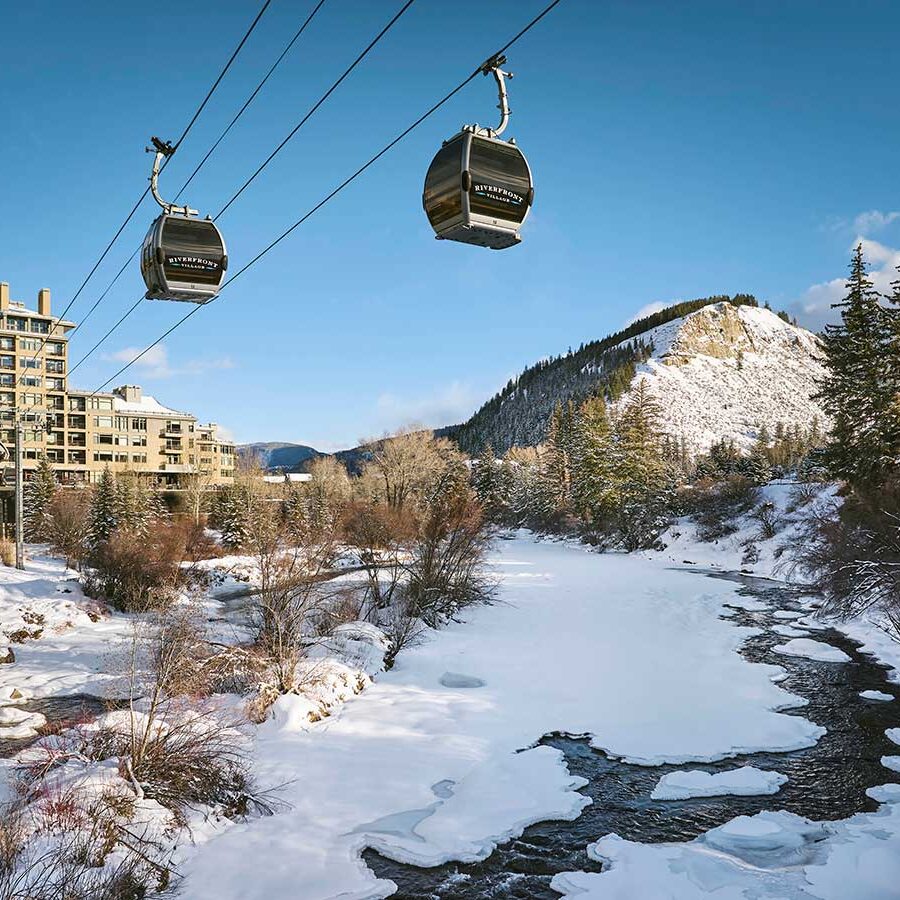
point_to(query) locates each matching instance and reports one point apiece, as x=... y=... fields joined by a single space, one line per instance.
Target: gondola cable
x=140 y=200
x=200 y=165
x=330 y=196
x=318 y=103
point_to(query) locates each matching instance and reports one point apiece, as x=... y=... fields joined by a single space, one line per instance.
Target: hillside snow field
x=723 y=371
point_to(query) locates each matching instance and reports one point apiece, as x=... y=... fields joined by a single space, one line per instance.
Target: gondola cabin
x=183 y=259
x=478 y=190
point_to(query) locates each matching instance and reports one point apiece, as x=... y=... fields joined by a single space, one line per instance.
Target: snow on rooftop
x=147 y=404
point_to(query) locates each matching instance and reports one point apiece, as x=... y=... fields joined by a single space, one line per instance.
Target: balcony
x=176 y=468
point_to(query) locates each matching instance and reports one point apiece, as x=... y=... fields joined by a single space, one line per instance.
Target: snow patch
x=745 y=781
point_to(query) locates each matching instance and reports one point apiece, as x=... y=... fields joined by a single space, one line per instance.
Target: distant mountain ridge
x=280 y=456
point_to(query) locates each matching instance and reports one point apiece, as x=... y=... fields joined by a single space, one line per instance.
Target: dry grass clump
x=7 y=552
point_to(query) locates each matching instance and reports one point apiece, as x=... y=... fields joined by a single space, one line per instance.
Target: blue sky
x=678 y=150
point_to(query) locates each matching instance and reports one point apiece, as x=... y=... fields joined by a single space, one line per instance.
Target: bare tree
x=405 y=465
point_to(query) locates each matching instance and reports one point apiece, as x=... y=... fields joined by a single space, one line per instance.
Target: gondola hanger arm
x=164 y=150
x=492 y=66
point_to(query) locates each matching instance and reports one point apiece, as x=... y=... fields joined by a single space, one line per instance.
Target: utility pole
x=20 y=548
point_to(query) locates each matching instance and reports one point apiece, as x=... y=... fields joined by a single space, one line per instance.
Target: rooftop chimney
x=130 y=393
x=44 y=302
x=4 y=296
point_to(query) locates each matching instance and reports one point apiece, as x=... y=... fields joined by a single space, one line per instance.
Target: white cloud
x=155 y=362
x=445 y=406
x=813 y=309
x=648 y=310
x=874 y=220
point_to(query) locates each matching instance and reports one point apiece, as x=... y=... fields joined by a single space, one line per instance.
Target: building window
x=76 y=404
x=14 y=323
x=56 y=366
x=7 y=362
x=32 y=380
x=7 y=398
x=31 y=344
x=55 y=456
x=29 y=363
x=121 y=457
x=32 y=399
x=100 y=403
x=56 y=384
x=7 y=343
x=103 y=439
x=138 y=424
x=56 y=348
x=7 y=380
x=39 y=326
x=139 y=440
x=139 y=457
x=103 y=421
x=103 y=457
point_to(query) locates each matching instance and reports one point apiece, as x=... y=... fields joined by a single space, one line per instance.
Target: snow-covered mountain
x=723 y=371
x=719 y=367
x=275 y=455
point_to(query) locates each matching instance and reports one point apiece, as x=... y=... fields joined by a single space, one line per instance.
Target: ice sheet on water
x=880 y=696
x=744 y=781
x=807 y=648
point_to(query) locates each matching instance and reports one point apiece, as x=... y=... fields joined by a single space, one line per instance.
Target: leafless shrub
x=802 y=494
x=403 y=629
x=136 y=572
x=68 y=519
x=294 y=556
x=715 y=504
x=69 y=846
x=852 y=554
x=769 y=520
x=445 y=573
x=381 y=538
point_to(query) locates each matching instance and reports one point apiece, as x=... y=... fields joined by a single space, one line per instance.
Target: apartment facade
x=124 y=430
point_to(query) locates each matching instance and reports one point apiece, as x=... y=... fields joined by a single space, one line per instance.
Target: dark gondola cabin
x=478 y=190
x=183 y=259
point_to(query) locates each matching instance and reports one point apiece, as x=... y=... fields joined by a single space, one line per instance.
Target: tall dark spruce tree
x=860 y=391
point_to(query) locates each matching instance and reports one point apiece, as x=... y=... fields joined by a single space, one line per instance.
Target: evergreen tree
x=104 y=514
x=861 y=388
x=593 y=473
x=646 y=481
x=36 y=499
x=488 y=480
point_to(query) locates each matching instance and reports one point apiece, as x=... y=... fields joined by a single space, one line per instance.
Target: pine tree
x=104 y=514
x=36 y=500
x=645 y=479
x=860 y=389
x=488 y=480
x=593 y=473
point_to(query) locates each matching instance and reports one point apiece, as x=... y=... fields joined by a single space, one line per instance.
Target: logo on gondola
x=500 y=194
x=192 y=262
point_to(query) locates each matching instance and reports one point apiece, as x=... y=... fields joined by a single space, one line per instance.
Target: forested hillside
x=519 y=414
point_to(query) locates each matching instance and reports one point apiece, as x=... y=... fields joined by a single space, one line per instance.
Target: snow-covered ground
x=436 y=760
x=624 y=650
